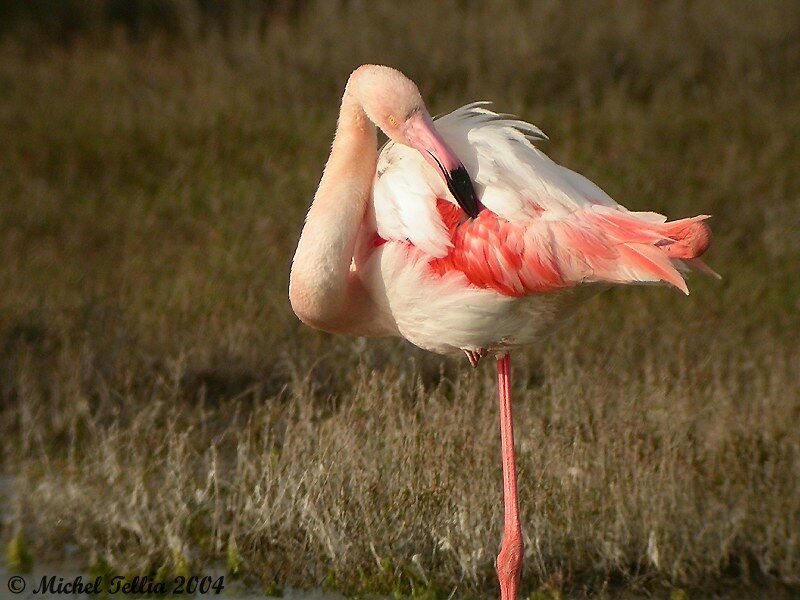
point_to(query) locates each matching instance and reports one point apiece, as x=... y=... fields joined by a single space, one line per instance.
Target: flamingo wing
x=545 y=227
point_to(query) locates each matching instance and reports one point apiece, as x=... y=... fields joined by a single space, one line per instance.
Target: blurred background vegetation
x=163 y=410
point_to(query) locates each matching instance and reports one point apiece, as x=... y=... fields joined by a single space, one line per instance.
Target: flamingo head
x=393 y=102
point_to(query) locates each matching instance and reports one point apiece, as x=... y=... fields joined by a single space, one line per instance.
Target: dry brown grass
x=161 y=405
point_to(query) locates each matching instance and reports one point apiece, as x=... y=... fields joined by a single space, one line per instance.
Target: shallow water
x=9 y=582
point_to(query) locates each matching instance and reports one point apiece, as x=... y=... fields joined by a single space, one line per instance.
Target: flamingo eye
x=392 y=120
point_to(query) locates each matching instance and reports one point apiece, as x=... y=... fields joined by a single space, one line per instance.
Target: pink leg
x=509 y=561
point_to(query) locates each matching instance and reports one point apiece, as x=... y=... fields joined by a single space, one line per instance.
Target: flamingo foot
x=474 y=356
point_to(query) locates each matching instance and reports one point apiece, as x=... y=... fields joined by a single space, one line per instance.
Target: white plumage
x=520 y=184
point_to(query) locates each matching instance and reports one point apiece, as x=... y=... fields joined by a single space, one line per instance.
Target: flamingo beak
x=421 y=135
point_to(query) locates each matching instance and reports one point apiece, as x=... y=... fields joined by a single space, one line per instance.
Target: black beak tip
x=460 y=185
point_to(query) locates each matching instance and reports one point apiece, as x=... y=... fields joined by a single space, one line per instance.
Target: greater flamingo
x=401 y=243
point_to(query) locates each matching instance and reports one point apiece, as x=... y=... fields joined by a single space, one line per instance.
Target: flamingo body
x=547 y=240
x=461 y=235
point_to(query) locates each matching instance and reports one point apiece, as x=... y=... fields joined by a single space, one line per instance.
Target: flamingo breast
x=447 y=314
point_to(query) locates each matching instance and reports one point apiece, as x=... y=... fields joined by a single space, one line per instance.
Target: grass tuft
x=18 y=557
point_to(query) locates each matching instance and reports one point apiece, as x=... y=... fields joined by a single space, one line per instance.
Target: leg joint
x=509 y=561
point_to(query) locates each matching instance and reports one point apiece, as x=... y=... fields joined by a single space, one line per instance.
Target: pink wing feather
x=594 y=245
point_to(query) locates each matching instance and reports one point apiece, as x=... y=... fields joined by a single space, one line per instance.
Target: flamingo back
x=545 y=227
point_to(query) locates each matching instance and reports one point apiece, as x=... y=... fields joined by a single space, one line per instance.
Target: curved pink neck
x=322 y=291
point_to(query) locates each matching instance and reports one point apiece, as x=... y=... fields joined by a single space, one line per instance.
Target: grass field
x=162 y=409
